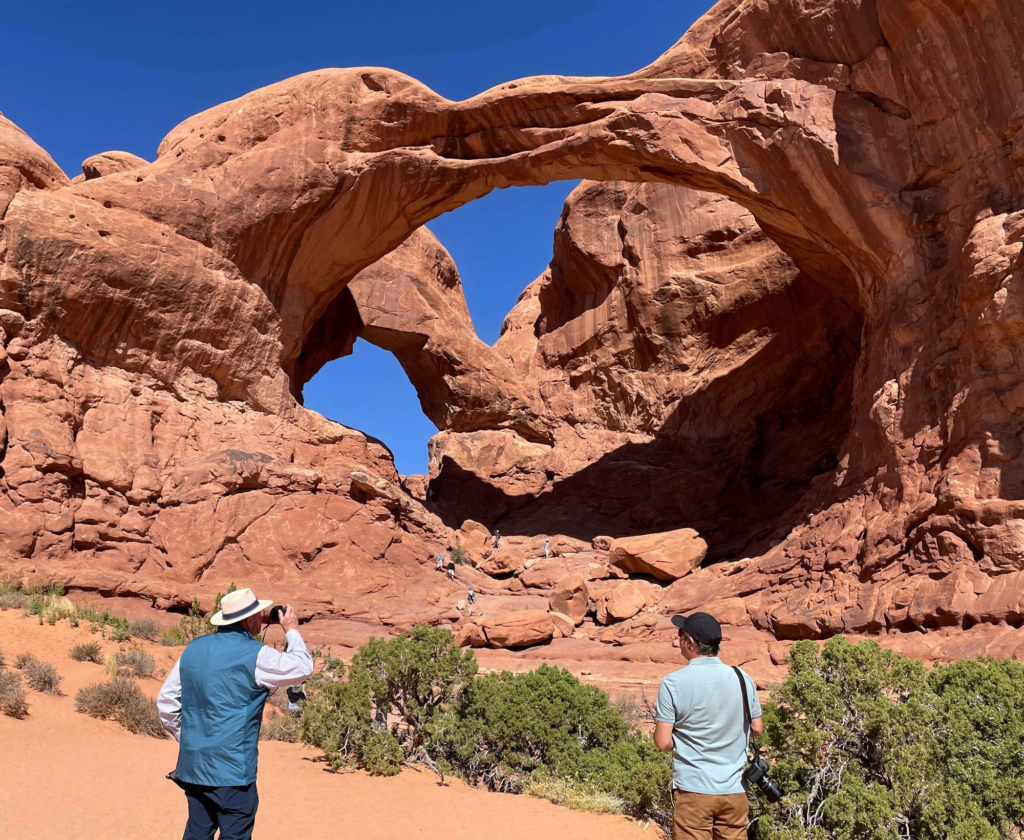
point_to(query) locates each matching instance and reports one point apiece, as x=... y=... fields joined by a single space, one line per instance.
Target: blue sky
x=83 y=78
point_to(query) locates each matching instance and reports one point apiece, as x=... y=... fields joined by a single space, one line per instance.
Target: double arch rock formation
x=825 y=351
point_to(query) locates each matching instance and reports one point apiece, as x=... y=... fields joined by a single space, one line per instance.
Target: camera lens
x=772 y=792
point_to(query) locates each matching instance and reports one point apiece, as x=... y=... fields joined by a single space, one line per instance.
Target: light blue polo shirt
x=704 y=703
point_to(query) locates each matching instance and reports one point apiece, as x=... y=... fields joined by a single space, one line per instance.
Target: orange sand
x=66 y=775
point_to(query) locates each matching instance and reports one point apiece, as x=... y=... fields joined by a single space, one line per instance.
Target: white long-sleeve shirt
x=274 y=669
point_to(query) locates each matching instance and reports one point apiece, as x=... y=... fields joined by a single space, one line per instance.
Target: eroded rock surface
x=787 y=317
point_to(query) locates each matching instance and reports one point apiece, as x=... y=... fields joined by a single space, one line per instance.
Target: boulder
x=570 y=597
x=509 y=630
x=617 y=603
x=564 y=626
x=507 y=558
x=475 y=540
x=669 y=555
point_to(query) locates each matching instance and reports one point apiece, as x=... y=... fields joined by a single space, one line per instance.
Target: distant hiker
x=451 y=569
x=440 y=562
x=497 y=538
x=547 y=549
x=702 y=721
x=471 y=595
x=212 y=705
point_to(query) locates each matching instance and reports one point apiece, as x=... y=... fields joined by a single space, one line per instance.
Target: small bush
x=136 y=663
x=282 y=728
x=87 y=652
x=12 y=697
x=22 y=660
x=3 y=658
x=118 y=631
x=123 y=702
x=175 y=637
x=458 y=555
x=42 y=676
x=13 y=601
x=145 y=628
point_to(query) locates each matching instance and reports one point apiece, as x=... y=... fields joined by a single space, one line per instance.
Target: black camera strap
x=746 y=700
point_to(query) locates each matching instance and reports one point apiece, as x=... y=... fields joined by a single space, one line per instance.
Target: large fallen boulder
x=620 y=602
x=570 y=597
x=475 y=540
x=509 y=630
x=507 y=558
x=563 y=624
x=667 y=556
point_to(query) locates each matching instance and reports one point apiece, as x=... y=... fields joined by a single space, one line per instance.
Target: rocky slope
x=786 y=318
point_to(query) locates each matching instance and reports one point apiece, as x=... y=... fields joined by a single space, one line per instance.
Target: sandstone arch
x=879 y=144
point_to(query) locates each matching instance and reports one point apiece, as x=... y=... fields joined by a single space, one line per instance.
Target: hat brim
x=679 y=621
x=218 y=617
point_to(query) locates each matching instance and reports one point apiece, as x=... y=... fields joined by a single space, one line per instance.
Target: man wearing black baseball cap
x=701 y=721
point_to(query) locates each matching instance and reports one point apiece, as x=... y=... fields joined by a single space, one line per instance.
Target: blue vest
x=221 y=709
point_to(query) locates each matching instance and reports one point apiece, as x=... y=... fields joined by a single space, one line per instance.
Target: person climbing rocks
x=547 y=549
x=212 y=704
x=701 y=720
x=440 y=562
x=497 y=538
x=471 y=595
x=451 y=569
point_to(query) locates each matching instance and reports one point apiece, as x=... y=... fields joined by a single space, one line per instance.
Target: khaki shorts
x=701 y=816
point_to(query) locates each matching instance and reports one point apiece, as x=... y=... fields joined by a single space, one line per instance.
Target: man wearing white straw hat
x=212 y=704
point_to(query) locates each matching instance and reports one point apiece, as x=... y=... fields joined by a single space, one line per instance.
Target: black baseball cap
x=700 y=627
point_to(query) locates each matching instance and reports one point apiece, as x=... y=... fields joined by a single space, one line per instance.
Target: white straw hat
x=237 y=606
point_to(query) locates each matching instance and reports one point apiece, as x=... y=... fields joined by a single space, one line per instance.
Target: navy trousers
x=231 y=809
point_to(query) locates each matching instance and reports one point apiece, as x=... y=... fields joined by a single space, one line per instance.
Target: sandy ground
x=66 y=775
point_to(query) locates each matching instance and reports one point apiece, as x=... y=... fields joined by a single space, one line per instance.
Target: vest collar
x=234 y=628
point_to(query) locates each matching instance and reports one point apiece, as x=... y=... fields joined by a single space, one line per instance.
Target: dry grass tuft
x=23 y=660
x=145 y=628
x=87 y=652
x=12 y=696
x=122 y=701
x=13 y=601
x=42 y=676
x=573 y=795
x=135 y=663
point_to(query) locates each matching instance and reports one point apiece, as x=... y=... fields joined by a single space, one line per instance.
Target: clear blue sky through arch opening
x=500 y=243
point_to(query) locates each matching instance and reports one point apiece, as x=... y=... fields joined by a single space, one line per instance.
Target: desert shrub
x=283 y=727
x=118 y=630
x=542 y=731
x=174 y=637
x=415 y=675
x=22 y=660
x=13 y=600
x=336 y=718
x=42 y=676
x=458 y=554
x=145 y=628
x=12 y=697
x=3 y=658
x=122 y=701
x=382 y=753
x=871 y=746
x=87 y=652
x=135 y=663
